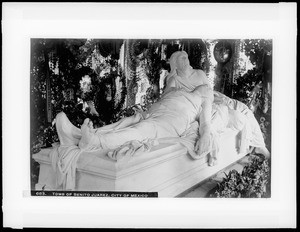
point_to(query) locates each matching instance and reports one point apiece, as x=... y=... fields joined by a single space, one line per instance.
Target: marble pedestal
x=167 y=169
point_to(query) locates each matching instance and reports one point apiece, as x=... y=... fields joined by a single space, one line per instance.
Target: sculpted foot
x=68 y=134
x=88 y=138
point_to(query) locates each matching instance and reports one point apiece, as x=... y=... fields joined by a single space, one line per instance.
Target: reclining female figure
x=240 y=117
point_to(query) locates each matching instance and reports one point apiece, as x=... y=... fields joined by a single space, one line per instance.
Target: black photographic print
x=129 y=91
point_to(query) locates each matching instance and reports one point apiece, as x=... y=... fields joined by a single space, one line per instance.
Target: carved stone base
x=167 y=169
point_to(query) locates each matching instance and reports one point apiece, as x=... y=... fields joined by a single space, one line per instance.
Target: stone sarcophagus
x=167 y=169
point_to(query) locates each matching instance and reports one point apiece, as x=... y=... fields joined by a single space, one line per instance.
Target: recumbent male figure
x=187 y=98
x=171 y=116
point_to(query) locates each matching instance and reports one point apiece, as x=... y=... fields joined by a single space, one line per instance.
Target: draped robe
x=238 y=117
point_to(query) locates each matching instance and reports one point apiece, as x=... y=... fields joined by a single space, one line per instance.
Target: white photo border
x=22 y=21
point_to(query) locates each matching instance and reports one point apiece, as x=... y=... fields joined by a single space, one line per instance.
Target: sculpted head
x=179 y=60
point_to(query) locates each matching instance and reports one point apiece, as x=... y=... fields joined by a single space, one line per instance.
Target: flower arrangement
x=253 y=181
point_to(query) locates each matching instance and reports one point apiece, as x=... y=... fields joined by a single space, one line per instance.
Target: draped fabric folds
x=64 y=162
x=172 y=120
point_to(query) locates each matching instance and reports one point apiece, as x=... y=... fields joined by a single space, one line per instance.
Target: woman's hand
x=205 y=91
x=218 y=99
x=203 y=145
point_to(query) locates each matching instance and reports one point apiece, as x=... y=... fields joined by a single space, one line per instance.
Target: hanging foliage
x=139 y=47
x=153 y=67
x=131 y=62
x=172 y=46
x=197 y=53
x=254 y=87
x=103 y=93
x=56 y=59
x=68 y=61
